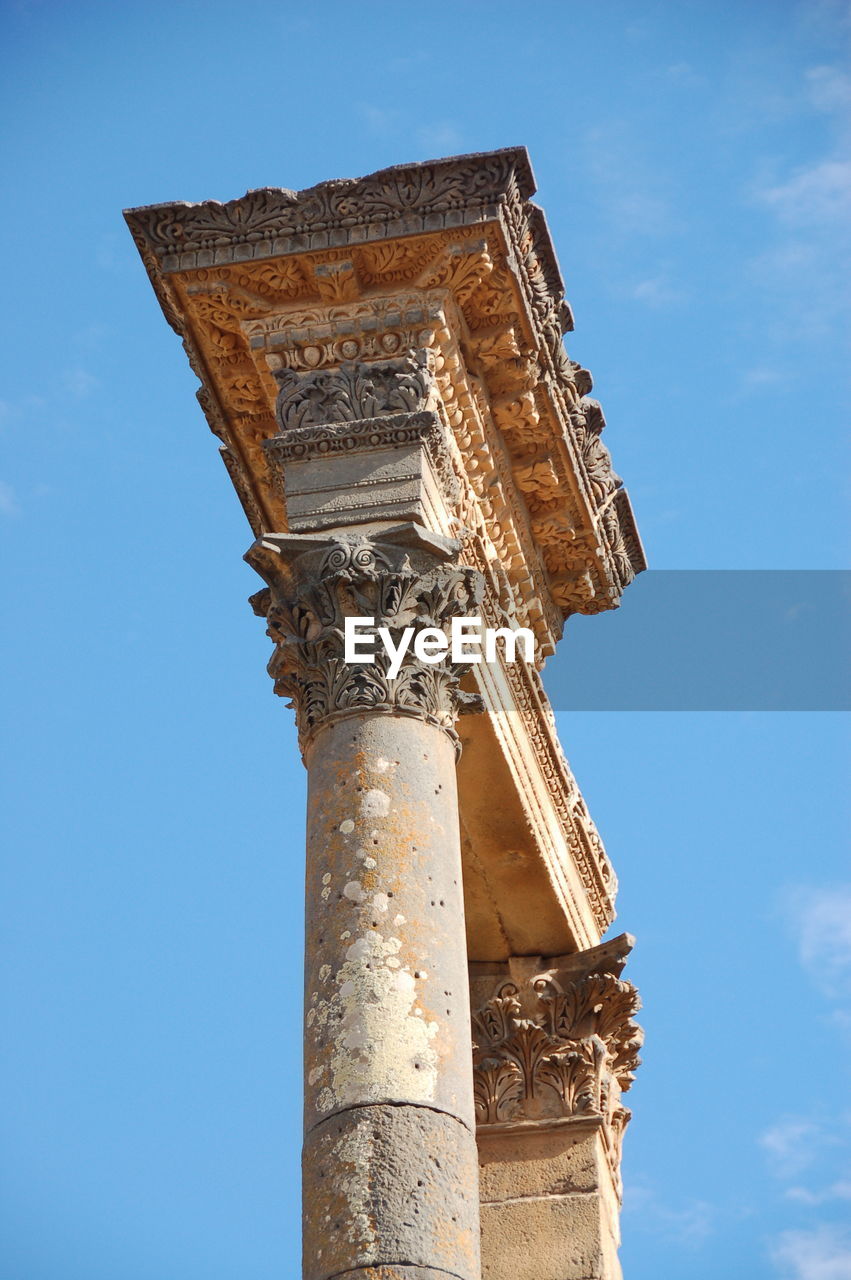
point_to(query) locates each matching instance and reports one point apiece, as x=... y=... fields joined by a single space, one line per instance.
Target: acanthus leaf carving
x=354 y=391
x=576 y=1077
x=588 y=423
x=538 y=479
x=405 y=578
x=557 y=1040
x=269 y=215
x=461 y=268
x=336 y=281
x=497 y=1088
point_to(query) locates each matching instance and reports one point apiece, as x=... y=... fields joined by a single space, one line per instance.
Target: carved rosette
x=557 y=1040
x=406 y=578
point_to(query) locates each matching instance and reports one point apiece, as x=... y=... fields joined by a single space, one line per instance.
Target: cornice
x=267 y=222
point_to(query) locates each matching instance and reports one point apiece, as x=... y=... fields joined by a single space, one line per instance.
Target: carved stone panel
x=353 y=391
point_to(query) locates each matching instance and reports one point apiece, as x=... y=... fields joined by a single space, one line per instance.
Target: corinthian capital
x=554 y=1040
x=404 y=578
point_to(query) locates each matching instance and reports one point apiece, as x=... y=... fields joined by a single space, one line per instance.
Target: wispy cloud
x=820 y=921
x=817 y=1253
x=379 y=121
x=684 y=74
x=840 y=1190
x=9 y=505
x=437 y=137
x=791 y=1145
x=630 y=189
x=816 y=1147
x=80 y=382
x=12 y=412
x=656 y=292
x=763 y=376
x=440 y=138
x=688 y=1224
x=824 y=18
x=829 y=88
x=807 y=233
x=815 y=195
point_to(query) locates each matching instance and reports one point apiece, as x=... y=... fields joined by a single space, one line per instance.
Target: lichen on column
x=390 y=1173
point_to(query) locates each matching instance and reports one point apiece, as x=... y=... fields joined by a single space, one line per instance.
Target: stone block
x=376 y=485
x=381 y=1189
x=547 y=1238
x=540 y=1162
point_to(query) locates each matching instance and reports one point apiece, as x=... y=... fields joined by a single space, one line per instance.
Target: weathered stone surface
x=555 y=1045
x=396 y=1273
x=548 y=1238
x=385 y=1186
x=450 y=258
x=386 y=999
x=280 y=293
x=399 y=578
x=386 y=995
x=399 y=200
x=554 y=1037
x=538 y=1161
x=382 y=470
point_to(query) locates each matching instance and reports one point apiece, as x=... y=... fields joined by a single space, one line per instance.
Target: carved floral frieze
x=267 y=221
x=353 y=391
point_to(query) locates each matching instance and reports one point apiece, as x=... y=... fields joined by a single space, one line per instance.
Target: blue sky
x=693 y=161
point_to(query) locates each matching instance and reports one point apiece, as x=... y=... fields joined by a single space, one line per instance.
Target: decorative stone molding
x=408 y=577
x=394 y=432
x=402 y=200
x=353 y=392
x=452 y=256
x=554 y=1039
x=349 y=436
x=596 y=872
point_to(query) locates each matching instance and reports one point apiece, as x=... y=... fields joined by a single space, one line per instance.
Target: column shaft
x=390 y=1168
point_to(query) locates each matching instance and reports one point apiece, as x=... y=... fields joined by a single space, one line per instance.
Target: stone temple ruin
x=382 y=361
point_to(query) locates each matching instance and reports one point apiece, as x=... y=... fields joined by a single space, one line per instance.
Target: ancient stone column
x=382 y=360
x=390 y=1166
x=555 y=1047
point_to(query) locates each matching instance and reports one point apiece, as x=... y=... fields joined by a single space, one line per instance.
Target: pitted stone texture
x=397 y=1273
x=386 y=992
x=386 y=1187
x=548 y=1238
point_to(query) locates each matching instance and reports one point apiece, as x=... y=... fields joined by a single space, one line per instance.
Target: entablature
x=450 y=257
